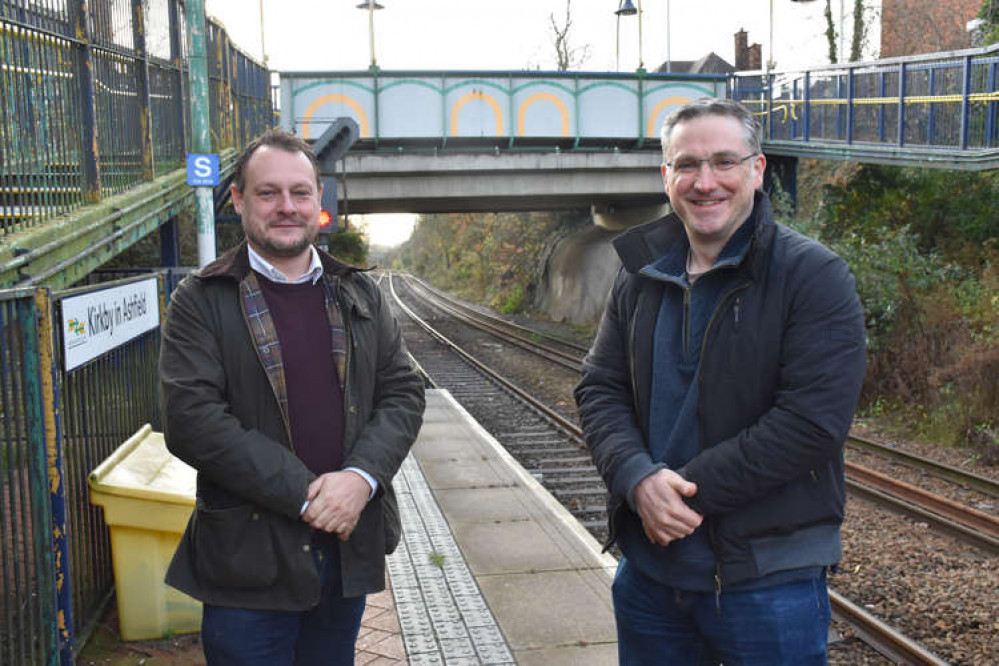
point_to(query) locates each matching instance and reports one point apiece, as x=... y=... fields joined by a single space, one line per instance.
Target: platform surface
x=492 y=570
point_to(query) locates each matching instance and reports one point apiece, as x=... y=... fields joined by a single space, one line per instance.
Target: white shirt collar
x=265 y=268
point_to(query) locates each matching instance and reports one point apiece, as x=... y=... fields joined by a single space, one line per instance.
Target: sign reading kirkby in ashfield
x=96 y=322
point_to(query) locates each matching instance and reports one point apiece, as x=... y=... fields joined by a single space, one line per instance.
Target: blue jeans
x=656 y=624
x=324 y=635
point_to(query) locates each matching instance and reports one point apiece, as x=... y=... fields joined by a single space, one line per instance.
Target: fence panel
x=75 y=98
x=61 y=431
x=27 y=599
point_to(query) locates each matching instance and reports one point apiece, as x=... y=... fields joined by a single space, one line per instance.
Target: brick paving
x=380 y=641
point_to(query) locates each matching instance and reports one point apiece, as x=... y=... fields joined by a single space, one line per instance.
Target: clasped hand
x=336 y=500
x=659 y=501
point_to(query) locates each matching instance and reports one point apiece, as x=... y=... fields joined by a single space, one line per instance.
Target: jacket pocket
x=233 y=547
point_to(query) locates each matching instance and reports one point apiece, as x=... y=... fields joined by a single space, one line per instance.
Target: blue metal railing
x=935 y=109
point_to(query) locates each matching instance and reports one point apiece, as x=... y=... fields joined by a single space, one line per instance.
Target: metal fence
x=95 y=100
x=55 y=427
x=944 y=101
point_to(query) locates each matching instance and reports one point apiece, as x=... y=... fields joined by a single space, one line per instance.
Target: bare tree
x=859 y=31
x=830 y=32
x=566 y=56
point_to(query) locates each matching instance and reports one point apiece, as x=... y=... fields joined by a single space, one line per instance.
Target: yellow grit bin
x=148 y=496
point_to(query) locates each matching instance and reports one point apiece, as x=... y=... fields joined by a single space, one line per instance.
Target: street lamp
x=263 y=44
x=626 y=8
x=669 y=62
x=371 y=6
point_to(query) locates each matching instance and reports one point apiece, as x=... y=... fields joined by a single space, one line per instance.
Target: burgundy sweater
x=315 y=401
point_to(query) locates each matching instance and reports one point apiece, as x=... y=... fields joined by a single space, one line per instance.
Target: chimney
x=755 y=57
x=741 y=52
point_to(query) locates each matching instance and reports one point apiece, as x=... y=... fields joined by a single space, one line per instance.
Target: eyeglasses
x=688 y=166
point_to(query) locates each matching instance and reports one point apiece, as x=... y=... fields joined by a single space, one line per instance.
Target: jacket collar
x=235 y=264
x=642 y=245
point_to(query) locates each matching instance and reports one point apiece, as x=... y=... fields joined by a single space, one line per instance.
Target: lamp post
x=669 y=61
x=371 y=6
x=626 y=8
x=263 y=44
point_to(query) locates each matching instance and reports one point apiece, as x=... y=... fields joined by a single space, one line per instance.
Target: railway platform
x=492 y=570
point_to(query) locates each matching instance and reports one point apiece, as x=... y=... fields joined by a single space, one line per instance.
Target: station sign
x=96 y=322
x=202 y=170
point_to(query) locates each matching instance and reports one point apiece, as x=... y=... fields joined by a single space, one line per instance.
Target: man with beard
x=286 y=385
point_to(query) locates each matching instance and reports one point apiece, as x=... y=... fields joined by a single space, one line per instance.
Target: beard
x=282 y=249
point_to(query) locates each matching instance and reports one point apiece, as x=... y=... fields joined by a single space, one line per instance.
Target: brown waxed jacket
x=246 y=545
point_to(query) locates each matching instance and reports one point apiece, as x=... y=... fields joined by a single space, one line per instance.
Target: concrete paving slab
x=553 y=608
x=509 y=547
x=603 y=654
x=481 y=505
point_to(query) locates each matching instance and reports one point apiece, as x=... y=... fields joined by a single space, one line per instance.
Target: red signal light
x=325 y=219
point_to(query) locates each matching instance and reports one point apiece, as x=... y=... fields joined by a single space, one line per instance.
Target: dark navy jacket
x=781 y=368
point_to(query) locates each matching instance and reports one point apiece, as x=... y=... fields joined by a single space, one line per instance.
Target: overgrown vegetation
x=349 y=246
x=491 y=258
x=990 y=14
x=924 y=247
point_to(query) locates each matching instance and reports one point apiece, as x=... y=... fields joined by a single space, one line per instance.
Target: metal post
x=88 y=102
x=48 y=488
x=807 y=112
x=849 y=105
x=170 y=243
x=669 y=61
x=371 y=31
x=990 y=111
x=770 y=106
x=617 y=46
x=965 y=104
x=901 y=104
x=641 y=60
x=177 y=60
x=263 y=44
x=882 y=91
x=931 y=121
x=142 y=89
x=200 y=123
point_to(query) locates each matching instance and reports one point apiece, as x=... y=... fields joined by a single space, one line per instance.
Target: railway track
x=953 y=518
x=550 y=447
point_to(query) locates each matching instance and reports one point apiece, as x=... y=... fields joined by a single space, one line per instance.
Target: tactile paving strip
x=442 y=613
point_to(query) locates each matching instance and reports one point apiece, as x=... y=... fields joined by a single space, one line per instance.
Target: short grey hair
x=710 y=106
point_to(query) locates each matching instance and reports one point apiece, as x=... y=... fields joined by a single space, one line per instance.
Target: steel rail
x=502 y=323
x=955 y=511
x=970 y=479
x=941 y=523
x=570 y=427
x=557 y=356
x=880 y=636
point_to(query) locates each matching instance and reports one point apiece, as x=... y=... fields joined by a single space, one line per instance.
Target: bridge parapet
x=507 y=110
x=939 y=109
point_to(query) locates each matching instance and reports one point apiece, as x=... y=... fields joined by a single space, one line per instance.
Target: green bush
x=349 y=246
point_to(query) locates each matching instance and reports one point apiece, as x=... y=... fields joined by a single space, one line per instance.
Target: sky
x=321 y=35
x=334 y=35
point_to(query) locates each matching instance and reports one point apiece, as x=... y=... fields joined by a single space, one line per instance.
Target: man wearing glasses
x=715 y=401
